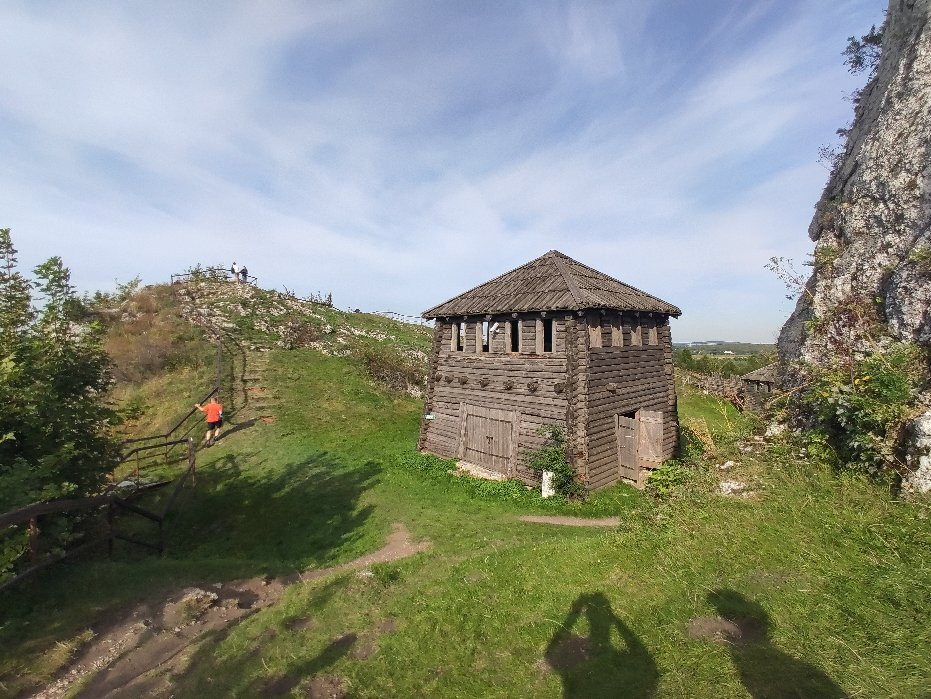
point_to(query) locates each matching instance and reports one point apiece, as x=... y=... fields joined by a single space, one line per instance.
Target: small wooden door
x=650 y=442
x=487 y=438
x=626 y=429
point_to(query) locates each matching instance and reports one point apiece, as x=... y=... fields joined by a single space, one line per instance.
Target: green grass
x=839 y=574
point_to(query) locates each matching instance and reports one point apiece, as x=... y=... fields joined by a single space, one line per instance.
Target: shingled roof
x=553 y=282
x=765 y=374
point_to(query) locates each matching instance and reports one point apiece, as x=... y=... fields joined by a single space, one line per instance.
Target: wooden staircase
x=247 y=391
x=260 y=403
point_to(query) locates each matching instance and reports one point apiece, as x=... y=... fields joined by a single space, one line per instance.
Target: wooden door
x=650 y=441
x=487 y=438
x=627 y=443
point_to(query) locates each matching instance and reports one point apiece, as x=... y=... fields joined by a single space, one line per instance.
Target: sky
x=395 y=154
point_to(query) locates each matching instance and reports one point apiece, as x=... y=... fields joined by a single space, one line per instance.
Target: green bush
x=391 y=368
x=860 y=408
x=55 y=429
x=667 y=479
x=553 y=456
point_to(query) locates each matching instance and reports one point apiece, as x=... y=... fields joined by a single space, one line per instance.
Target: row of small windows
x=517 y=338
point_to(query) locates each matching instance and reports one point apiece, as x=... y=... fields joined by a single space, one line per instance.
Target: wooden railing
x=113 y=501
x=211 y=274
x=404 y=318
x=144 y=450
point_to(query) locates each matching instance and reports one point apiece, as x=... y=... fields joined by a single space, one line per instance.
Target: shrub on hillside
x=149 y=336
x=860 y=407
x=395 y=370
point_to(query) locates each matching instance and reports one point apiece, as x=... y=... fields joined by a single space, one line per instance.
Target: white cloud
x=395 y=155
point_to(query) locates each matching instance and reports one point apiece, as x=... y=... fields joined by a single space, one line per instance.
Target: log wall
x=532 y=384
x=622 y=380
x=579 y=385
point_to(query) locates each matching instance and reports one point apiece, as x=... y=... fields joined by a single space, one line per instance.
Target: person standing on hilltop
x=244 y=275
x=234 y=270
x=214 y=411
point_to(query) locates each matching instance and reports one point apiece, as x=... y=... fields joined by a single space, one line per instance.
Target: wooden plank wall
x=596 y=382
x=441 y=334
x=457 y=377
x=623 y=379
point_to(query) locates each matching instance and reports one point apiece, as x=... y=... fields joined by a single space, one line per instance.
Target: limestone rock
x=918 y=457
x=871 y=227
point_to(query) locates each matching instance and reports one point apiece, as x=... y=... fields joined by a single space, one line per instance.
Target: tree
x=863 y=53
x=55 y=435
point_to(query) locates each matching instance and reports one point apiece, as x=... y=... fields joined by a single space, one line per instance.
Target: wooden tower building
x=553 y=342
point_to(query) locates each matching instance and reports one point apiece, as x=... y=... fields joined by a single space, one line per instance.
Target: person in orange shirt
x=214 y=419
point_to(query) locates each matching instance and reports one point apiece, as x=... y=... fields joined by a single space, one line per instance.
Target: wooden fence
x=143 y=451
x=404 y=318
x=113 y=502
x=210 y=274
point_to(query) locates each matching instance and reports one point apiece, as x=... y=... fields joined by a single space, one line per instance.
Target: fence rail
x=211 y=273
x=404 y=318
x=165 y=441
x=113 y=501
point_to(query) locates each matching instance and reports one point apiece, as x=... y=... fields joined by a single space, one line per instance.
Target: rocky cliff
x=872 y=256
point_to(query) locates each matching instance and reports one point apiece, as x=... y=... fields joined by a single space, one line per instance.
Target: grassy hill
x=824 y=576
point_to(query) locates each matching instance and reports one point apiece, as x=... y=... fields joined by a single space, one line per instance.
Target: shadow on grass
x=237 y=522
x=237 y=427
x=212 y=673
x=765 y=670
x=297 y=515
x=591 y=666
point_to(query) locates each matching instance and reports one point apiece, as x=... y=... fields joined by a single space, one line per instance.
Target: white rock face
x=919 y=455
x=871 y=226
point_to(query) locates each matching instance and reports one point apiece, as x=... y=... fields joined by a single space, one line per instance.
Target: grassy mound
x=818 y=579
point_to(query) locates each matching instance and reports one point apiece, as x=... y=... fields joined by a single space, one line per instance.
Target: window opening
x=515 y=336
x=548 y=335
x=486 y=336
x=460 y=337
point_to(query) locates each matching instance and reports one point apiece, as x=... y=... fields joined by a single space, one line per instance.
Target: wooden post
x=219 y=365
x=192 y=460
x=34 y=539
x=110 y=529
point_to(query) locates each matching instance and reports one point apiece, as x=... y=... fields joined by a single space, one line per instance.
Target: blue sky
x=398 y=153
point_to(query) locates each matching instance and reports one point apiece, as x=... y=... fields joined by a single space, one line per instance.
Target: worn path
x=136 y=655
x=572 y=521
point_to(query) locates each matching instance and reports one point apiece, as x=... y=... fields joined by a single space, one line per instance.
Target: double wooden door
x=487 y=437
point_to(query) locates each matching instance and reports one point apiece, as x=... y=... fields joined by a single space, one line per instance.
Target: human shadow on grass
x=766 y=671
x=591 y=666
x=237 y=427
x=281 y=685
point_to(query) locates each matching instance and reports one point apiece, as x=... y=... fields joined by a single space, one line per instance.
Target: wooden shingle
x=551 y=282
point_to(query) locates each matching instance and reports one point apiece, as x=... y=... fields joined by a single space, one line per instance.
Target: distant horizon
x=395 y=154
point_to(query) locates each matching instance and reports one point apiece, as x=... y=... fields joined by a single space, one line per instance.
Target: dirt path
x=136 y=654
x=572 y=521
